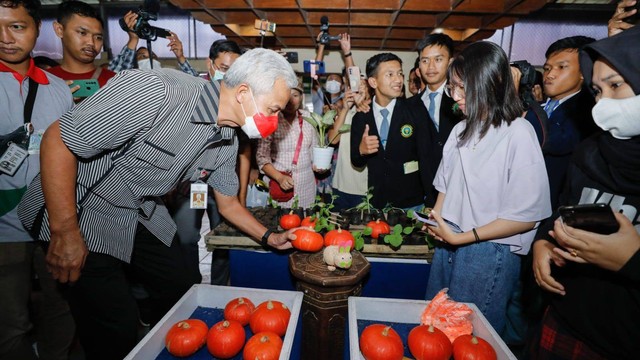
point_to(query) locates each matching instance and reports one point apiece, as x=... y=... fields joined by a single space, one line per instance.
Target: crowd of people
x=102 y=196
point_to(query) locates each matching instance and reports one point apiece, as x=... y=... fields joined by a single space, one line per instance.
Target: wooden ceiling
x=372 y=24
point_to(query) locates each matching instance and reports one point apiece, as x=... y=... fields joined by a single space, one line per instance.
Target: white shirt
x=501 y=176
x=376 y=112
x=438 y=100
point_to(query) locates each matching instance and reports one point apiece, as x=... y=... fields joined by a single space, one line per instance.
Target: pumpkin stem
x=385 y=331
x=225 y=324
x=291 y=212
x=474 y=340
x=184 y=325
x=240 y=300
x=431 y=329
x=270 y=305
x=264 y=339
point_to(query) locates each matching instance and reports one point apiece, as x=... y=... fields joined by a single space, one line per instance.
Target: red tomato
x=469 y=347
x=263 y=346
x=226 y=339
x=240 y=310
x=186 y=337
x=307 y=222
x=271 y=316
x=307 y=240
x=428 y=342
x=334 y=237
x=381 y=342
x=289 y=221
x=378 y=228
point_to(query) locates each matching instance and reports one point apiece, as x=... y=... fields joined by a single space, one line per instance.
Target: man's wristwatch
x=265 y=237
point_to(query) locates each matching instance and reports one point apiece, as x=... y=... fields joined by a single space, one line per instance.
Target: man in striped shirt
x=105 y=165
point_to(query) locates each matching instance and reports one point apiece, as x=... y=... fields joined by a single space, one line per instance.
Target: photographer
x=128 y=57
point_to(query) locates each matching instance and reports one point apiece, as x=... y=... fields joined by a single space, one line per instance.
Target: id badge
x=198 y=196
x=12 y=159
x=34 y=142
x=410 y=167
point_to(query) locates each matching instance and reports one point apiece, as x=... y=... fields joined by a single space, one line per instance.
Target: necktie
x=551 y=105
x=432 y=108
x=384 y=127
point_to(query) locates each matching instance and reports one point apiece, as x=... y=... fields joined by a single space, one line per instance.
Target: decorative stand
x=324 y=306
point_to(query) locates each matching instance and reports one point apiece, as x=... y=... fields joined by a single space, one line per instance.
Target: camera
x=148 y=11
x=528 y=78
x=324 y=29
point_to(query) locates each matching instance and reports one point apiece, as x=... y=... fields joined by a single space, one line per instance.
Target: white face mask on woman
x=145 y=64
x=620 y=117
x=332 y=86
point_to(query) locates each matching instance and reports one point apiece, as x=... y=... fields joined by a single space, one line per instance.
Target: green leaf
x=394 y=240
x=408 y=230
x=367 y=231
x=344 y=128
x=311 y=120
x=397 y=229
x=329 y=117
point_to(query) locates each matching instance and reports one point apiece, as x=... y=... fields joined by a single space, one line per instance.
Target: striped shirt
x=135 y=140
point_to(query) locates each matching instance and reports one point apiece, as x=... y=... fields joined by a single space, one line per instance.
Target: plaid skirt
x=557 y=343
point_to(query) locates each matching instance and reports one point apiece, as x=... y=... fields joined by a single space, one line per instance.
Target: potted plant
x=322 y=153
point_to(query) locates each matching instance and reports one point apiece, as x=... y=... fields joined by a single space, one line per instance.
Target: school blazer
x=433 y=139
x=391 y=182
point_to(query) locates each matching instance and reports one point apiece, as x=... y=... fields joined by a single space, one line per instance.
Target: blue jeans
x=485 y=274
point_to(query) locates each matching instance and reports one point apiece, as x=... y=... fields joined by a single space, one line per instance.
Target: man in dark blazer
x=386 y=138
x=433 y=109
x=568 y=108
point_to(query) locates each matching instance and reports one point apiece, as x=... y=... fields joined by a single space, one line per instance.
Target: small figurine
x=338 y=256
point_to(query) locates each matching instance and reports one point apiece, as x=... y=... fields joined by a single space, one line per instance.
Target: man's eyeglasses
x=457 y=89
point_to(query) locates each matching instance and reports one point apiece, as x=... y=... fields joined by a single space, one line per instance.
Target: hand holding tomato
x=282 y=241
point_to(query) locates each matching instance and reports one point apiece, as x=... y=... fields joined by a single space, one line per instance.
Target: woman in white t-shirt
x=491 y=181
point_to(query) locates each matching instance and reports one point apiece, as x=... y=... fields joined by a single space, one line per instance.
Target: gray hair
x=260 y=68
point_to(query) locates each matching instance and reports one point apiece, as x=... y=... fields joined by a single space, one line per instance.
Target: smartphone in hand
x=88 y=87
x=597 y=218
x=422 y=217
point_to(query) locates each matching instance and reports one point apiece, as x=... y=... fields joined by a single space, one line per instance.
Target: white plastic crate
x=408 y=312
x=216 y=297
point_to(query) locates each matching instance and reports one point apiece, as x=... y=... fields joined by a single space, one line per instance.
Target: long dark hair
x=490 y=95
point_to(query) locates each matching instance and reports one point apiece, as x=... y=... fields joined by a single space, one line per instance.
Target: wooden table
x=225 y=236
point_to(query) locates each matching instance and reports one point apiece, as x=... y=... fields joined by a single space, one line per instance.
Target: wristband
x=347 y=54
x=265 y=237
x=475 y=234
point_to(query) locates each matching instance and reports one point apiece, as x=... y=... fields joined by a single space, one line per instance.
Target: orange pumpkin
x=378 y=228
x=240 y=310
x=308 y=222
x=307 y=240
x=469 y=347
x=186 y=337
x=271 y=316
x=263 y=346
x=335 y=237
x=289 y=221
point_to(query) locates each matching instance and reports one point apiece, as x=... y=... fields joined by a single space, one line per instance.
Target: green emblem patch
x=406 y=130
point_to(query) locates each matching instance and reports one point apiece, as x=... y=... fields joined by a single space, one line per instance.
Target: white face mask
x=218 y=75
x=250 y=128
x=620 y=117
x=145 y=64
x=332 y=86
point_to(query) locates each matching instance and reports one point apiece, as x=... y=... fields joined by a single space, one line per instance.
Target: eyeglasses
x=457 y=89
